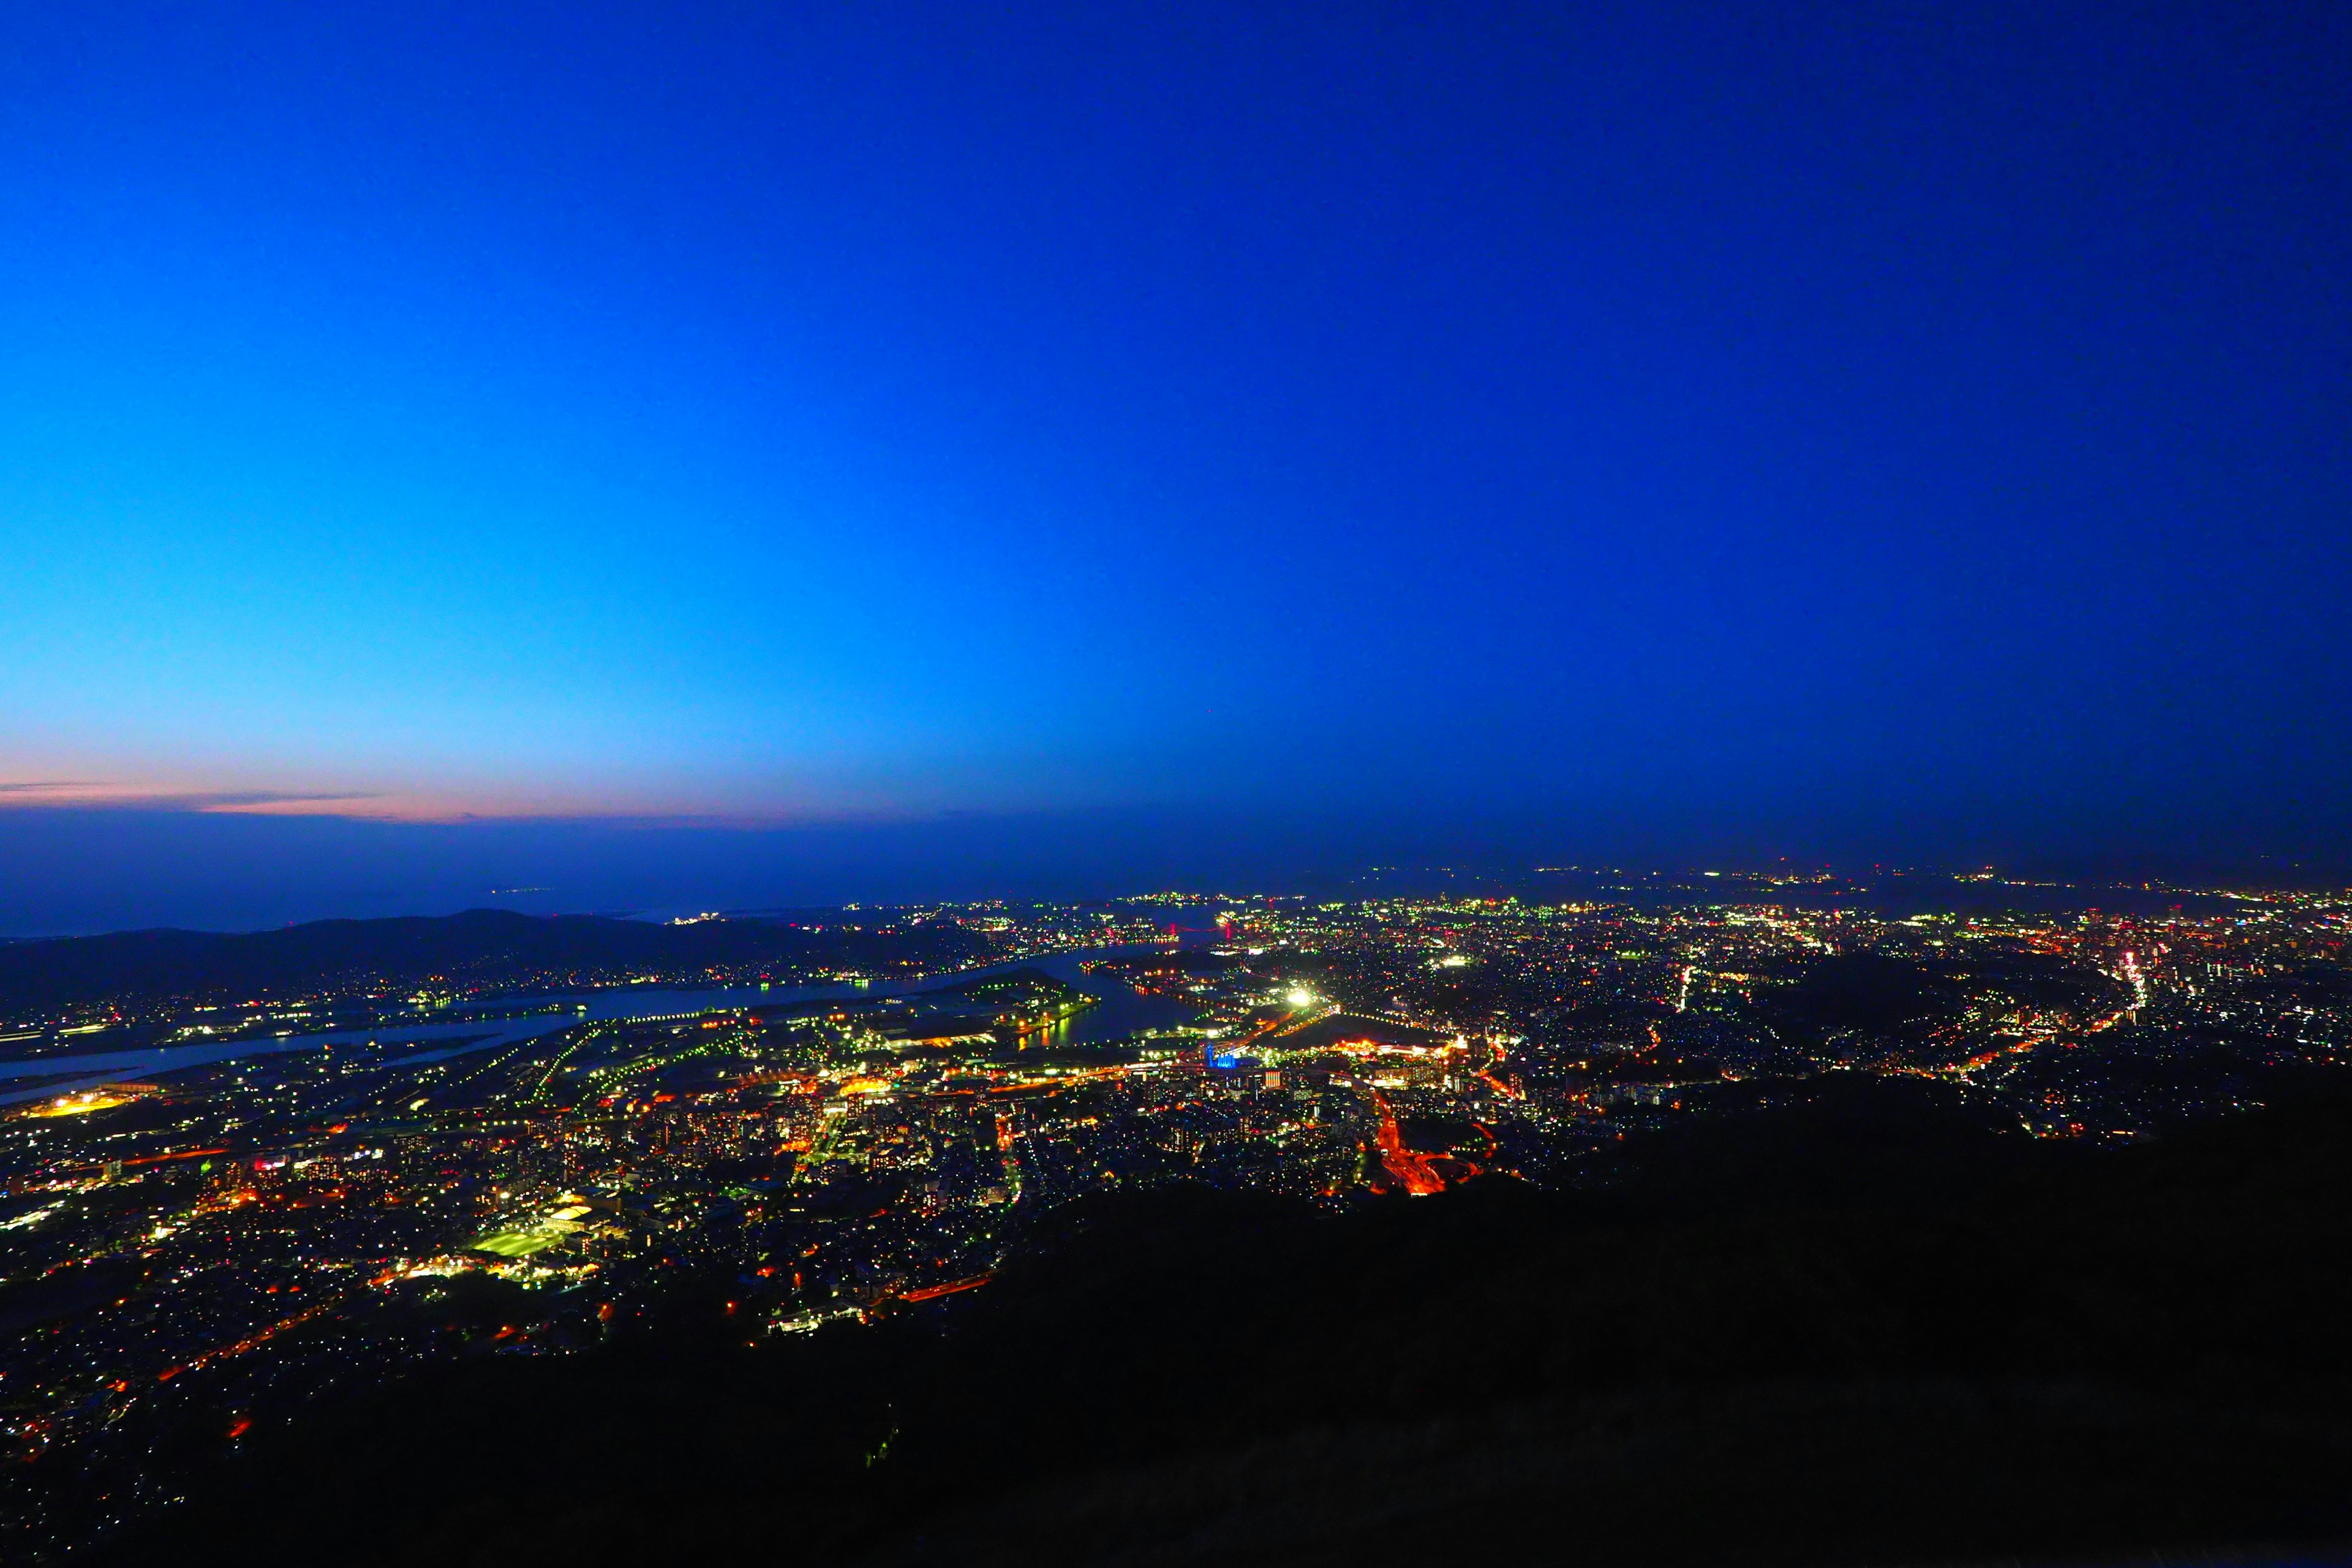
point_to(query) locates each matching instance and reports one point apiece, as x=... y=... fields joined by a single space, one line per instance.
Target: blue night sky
x=1861 y=429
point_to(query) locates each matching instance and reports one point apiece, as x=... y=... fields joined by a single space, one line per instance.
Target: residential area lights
x=285 y=1225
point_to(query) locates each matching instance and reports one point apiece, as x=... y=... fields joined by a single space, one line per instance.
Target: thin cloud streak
x=99 y=792
x=394 y=806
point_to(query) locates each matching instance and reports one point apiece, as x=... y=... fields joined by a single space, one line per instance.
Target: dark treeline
x=483 y=947
x=1865 y=1330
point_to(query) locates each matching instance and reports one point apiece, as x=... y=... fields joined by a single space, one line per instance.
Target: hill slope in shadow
x=1966 y=1346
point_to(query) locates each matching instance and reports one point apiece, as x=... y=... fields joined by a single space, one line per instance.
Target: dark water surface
x=1118 y=1013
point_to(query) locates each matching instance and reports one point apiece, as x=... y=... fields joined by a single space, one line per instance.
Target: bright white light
x=1302 y=997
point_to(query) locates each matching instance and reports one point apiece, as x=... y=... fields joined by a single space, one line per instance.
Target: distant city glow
x=846 y=1152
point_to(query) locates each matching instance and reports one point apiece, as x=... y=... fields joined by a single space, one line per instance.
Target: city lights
x=837 y=1142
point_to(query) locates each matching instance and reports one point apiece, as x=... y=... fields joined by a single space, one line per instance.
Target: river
x=1118 y=1013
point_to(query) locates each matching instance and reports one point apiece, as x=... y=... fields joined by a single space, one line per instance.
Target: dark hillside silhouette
x=490 y=948
x=1986 y=1347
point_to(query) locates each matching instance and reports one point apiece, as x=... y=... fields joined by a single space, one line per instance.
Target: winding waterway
x=1118 y=1013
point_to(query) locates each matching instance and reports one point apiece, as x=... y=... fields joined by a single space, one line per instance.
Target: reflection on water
x=1118 y=1011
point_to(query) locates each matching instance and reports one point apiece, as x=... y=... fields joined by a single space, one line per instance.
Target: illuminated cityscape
x=1200 y=785
x=458 y=1169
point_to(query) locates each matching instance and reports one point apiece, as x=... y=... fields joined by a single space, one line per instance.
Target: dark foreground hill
x=488 y=948
x=1979 y=1349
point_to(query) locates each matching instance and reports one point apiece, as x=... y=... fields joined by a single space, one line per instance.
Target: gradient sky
x=790 y=413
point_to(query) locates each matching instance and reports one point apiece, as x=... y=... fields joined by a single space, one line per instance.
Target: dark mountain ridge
x=490 y=948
